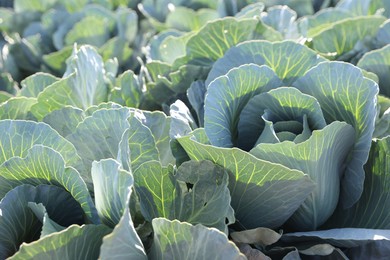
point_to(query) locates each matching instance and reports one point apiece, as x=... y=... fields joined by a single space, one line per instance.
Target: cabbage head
x=297 y=126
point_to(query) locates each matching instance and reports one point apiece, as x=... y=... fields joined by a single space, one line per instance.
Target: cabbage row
x=231 y=129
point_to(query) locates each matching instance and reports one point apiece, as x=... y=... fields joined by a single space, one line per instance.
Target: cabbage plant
x=58 y=193
x=286 y=125
x=269 y=149
x=39 y=35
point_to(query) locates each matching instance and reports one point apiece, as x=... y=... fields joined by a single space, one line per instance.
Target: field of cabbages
x=194 y=129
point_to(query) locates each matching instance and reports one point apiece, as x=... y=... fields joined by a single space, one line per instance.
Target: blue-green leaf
x=36 y=83
x=65 y=120
x=345 y=95
x=364 y=7
x=283 y=20
x=282 y=57
x=312 y=25
x=216 y=37
x=302 y=7
x=123 y=242
x=90 y=30
x=98 y=136
x=111 y=186
x=338 y=39
x=75 y=242
x=142 y=144
x=371 y=209
x=17 y=108
x=34 y=5
x=127 y=91
x=82 y=85
x=19 y=136
x=378 y=62
x=159 y=125
x=19 y=224
x=264 y=194
x=164 y=193
x=178 y=240
x=186 y=19
x=321 y=157
x=43 y=165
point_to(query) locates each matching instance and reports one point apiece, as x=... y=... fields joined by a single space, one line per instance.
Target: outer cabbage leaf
x=19 y=224
x=127 y=23
x=123 y=242
x=345 y=95
x=142 y=143
x=35 y=5
x=36 y=83
x=43 y=165
x=102 y=106
x=167 y=83
x=19 y=136
x=65 y=120
x=158 y=12
x=186 y=19
x=378 y=62
x=259 y=236
x=127 y=91
x=202 y=49
x=264 y=194
x=111 y=186
x=165 y=193
x=371 y=210
x=98 y=136
x=250 y=10
x=196 y=95
x=338 y=39
x=302 y=7
x=383 y=35
x=174 y=47
x=55 y=97
x=73 y=25
x=82 y=86
x=159 y=125
x=117 y=48
x=321 y=157
x=56 y=61
x=75 y=242
x=182 y=122
x=152 y=50
x=174 y=240
x=309 y=26
x=364 y=7
x=282 y=57
x=17 y=108
x=4 y=96
x=382 y=124
x=215 y=38
x=283 y=20
x=89 y=30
